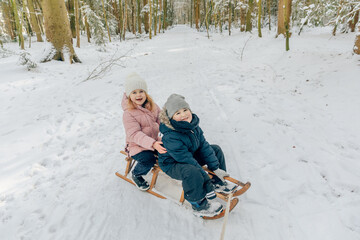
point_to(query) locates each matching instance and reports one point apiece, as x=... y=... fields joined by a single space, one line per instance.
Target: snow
x=288 y=122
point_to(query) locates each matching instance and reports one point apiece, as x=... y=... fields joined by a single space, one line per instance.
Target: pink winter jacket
x=141 y=127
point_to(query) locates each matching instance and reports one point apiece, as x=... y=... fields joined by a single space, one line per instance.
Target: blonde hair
x=148 y=104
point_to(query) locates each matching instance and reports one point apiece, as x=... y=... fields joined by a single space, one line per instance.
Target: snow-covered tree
x=26 y=60
x=97 y=26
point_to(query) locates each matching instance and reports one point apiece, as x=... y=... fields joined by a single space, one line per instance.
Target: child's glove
x=221 y=174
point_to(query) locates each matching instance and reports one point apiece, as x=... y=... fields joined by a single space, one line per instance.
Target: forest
x=63 y=23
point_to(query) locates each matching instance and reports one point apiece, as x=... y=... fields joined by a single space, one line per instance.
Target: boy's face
x=183 y=114
x=138 y=97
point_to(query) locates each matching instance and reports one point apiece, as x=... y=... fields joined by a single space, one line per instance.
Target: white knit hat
x=134 y=81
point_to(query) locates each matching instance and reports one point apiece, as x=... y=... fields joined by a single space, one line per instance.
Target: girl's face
x=138 y=97
x=183 y=114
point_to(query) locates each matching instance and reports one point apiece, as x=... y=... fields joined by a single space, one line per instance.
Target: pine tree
x=94 y=21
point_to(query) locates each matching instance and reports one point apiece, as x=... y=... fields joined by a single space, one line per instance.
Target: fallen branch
x=242 y=51
x=106 y=66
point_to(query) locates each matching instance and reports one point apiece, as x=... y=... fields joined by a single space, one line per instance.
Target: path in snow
x=287 y=122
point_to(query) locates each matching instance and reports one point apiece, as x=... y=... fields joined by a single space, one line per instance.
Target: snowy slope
x=287 y=121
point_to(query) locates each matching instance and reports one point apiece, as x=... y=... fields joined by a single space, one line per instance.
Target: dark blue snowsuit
x=187 y=151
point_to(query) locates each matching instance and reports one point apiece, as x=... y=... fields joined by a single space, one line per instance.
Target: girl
x=187 y=151
x=141 y=124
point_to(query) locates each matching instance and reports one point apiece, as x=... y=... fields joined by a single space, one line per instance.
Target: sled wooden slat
x=149 y=190
x=130 y=164
x=182 y=198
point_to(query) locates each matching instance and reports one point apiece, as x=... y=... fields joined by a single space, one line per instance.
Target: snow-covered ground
x=288 y=122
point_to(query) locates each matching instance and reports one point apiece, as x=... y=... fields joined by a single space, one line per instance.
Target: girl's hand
x=158 y=147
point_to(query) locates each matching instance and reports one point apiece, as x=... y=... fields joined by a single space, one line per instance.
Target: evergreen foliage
x=97 y=26
x=337 y=13
x=4 y=37
x=26 y=60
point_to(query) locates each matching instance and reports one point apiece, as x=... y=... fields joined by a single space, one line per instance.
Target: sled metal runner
x=156 y=169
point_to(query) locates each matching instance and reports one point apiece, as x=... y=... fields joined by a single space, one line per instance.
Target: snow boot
x=209 y=188
x=222 y=187
x=140 y=182
x=211 y=195
x=204 y=208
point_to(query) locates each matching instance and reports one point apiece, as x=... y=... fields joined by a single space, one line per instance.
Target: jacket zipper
x=196 y=139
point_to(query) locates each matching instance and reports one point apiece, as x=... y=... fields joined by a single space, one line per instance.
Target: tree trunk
x=106 y=23
x=357 y=42
x=116 y=14
x=121 y=20
x=57 y=29
x=87 y=27
x=269 y=9
x=133 y=22
x=235 y=18
x=70 y=8
x=242 y=16
x=139 y=15
x=281 y=26
x=212 y=13
x=146 y=18
x=206 y=19
x=18 y=24
x=150 y=17
x=125 y=18
x=7 y=18
x=259 y=18
x=165 y=15
x=197 y=15
x=33 y=21
x=203 y=16
x=220 y=20
x=160 y=2
x=155 y=15
x=39 y=16
x=25 y=19
x=229 y=20
x=249 y=17
x=352 y=24
x=77 y=24
x=337 y=17
x=191 y=12
x=287 y=12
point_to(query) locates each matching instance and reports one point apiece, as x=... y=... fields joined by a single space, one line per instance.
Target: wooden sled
x=155 y=171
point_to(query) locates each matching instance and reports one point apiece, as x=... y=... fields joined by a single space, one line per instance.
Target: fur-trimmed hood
x=164 y=119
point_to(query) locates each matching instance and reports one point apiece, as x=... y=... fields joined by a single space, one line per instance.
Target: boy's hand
x=221 y=174
x=158 y=147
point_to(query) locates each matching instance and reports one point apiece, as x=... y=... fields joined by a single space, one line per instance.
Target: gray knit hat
x=174 y=103
x=134 y=81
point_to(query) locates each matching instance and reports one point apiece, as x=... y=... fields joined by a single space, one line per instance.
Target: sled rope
x=226 y=217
